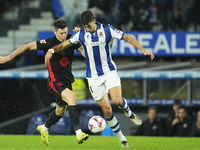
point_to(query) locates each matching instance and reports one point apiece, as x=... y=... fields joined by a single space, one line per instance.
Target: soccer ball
x=96 y=124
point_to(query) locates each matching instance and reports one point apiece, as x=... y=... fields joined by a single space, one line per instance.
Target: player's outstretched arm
x=60 y=47
x=20 y=50
x=136 y=44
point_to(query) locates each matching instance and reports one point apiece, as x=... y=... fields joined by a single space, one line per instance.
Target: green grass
x=25 y=142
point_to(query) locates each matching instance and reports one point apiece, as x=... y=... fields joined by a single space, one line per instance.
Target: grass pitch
x=25 y=142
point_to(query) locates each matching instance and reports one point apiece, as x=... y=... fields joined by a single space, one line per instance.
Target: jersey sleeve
x=75 y=38
x=116 y=33
x=44 y=44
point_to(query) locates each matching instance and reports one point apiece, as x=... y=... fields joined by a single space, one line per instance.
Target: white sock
x=114 y=124
x=78 y=131
x=45 y=128
x=125 y=108
x=121 y=137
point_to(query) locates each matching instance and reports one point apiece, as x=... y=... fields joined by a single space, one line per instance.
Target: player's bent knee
x=118 y=102
x=60 y=113
x=61 y=110
x=72 y=101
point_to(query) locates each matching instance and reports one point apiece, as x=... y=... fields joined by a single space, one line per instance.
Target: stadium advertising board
x=150 y=75
x=160 y=43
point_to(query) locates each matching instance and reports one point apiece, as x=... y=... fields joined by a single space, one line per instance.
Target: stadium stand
x=28 y=16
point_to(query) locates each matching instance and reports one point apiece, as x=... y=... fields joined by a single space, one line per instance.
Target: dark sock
x=74 y=116
x=53 y=118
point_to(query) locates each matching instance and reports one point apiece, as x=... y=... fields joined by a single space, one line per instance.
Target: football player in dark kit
x=59 y=80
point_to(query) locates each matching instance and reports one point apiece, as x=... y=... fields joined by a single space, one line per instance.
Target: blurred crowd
x=129 y=15
x=178 y=123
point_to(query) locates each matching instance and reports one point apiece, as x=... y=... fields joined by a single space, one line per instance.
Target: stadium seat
x=57 y=9
x=62 y=127
x=33 y=123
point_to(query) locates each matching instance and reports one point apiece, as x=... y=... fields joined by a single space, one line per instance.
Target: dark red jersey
x=60 y=66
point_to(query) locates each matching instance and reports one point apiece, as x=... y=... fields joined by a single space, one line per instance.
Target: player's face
x=181 y=113
x=152 y=114
x=91 y=26
x=198 y=115
x=175 y=108
x=61 y=34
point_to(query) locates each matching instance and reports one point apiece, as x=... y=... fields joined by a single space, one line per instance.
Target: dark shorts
x=56 y=89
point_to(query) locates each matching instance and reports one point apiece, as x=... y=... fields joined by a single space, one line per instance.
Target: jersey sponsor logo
x=97 y=43
x=42 y=41
x=86 y=44
x=64 y=61
x=94 y=43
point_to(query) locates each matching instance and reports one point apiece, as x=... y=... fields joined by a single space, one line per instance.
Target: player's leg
x=99 y=93
x=64 y=96
x=111 y=119
x=113 y=83
x=115 y=93
x=116 y=96
x=53 y=119
x=69 y=97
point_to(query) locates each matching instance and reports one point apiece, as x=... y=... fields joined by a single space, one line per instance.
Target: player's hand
x=151 y=55
x=47 y=57
x=175 y=121
x=4 y=59
x=76 y=29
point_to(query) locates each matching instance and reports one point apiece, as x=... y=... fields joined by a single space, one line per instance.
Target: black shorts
x=56 y=89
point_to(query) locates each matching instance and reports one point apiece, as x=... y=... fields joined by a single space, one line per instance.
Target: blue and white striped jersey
x=97 y=47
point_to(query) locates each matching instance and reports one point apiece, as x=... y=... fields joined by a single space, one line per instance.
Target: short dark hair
x=60 y=24
x=154 y=108
x=177 y=102
x=86 y=17
x=182 y=107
